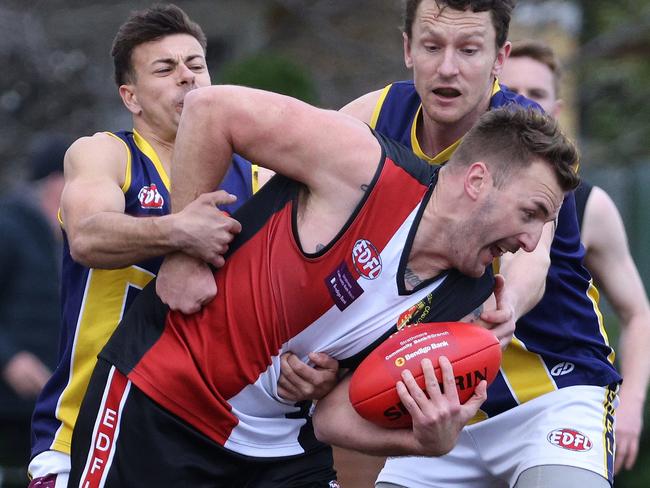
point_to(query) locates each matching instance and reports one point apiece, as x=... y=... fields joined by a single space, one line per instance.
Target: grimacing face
x=532 y=79
x=165 y=71
x=454 y=59
x=509 y=218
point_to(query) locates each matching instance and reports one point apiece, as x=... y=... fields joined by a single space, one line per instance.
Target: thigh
x=560 y=477
x=314 y=469
x=462 y=466
x=570 y=427
x=122 y=438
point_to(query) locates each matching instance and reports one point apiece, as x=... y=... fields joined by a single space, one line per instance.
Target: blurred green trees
x=613 y=66
x=271 y=72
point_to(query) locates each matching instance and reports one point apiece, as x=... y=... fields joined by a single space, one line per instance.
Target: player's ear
x=502 y=54
x=408 y=59
x=130 y=99
x=477 y=177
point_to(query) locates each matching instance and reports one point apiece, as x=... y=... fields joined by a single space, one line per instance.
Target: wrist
x=168 y=228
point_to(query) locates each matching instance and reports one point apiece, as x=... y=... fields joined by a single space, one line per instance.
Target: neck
x=431 y=244
x=434 y=136
x=163 y=146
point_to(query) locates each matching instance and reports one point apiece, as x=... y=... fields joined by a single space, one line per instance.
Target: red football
x=473 y=351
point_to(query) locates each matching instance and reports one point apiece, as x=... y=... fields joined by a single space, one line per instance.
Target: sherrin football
x=474 y=353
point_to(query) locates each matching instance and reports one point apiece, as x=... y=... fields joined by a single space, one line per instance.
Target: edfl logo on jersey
x=150 y=197
x=366 y=259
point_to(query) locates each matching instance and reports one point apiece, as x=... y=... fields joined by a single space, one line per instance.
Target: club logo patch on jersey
x=343 y=287
x=570 y=439
x=416 y=314
x=150 y=197
x=366 y=259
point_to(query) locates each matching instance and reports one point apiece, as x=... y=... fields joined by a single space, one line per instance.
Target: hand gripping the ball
x=438 y=416
x=473 y=351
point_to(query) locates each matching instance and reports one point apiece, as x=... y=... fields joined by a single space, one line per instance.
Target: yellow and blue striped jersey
x=561 y=342
x=94 y=300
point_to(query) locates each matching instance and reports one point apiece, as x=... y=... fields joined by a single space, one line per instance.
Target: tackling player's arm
x=525 y=273
x=299 y=381
x=102 y=235
x=496 y=313
x=363 y=107
x=286 y=137
x=610 y=262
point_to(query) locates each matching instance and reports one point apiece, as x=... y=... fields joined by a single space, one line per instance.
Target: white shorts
x=572 y=427
x=50 y=463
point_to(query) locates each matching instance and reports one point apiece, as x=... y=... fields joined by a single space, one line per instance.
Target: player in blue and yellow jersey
x=549 y=414
x=533 y=70
x=114 y=213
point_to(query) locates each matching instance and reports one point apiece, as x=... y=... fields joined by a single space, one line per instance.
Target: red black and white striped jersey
x=218 y=369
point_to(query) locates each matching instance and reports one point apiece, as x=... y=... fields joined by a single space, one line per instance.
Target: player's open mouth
x=499 y=250
x=447 y=92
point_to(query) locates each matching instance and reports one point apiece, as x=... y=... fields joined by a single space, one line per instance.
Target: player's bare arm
x=609 y=260
x=230 y=116
x=99 y=232
x=363 y=107
x=220 y=120
x=525 y=273
x=496 y=313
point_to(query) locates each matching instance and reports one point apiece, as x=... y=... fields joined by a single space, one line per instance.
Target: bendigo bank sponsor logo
x=366 y=259
x=569 y=439
x=150 y=197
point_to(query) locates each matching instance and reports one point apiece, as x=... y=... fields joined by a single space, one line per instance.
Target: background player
x=114 y=214
x=533 y=70
x=30 y=251
x=456 y=50
x=291 y=282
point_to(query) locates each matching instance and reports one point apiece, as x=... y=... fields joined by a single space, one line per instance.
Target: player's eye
x=529 y=215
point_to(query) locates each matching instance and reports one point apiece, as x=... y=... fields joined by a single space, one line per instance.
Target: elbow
x=201 y=103
x=321 y=430
x=81 y=251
